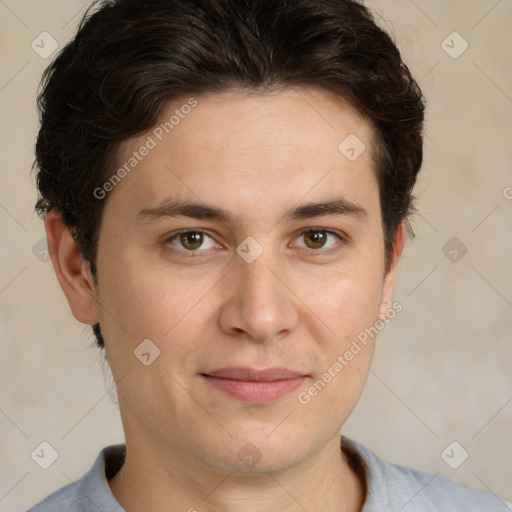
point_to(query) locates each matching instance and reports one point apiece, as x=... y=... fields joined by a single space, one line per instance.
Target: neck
x=154 y=479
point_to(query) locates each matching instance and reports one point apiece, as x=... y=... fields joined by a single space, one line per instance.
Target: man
x=225 y=186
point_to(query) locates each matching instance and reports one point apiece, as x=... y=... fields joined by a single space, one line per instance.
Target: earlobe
x=71 y=269
x=390 y=278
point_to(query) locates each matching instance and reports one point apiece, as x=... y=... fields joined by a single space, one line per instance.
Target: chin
x=258 y=453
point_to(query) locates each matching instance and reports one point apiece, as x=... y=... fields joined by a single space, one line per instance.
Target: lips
x=249 y=374
x=255 y=386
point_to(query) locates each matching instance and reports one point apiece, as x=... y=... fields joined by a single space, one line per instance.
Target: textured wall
x=441 y=372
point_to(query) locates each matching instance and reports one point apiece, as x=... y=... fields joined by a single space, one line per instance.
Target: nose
x=260 y=305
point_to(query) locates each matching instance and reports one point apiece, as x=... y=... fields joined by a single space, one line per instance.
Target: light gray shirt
x=390 y=488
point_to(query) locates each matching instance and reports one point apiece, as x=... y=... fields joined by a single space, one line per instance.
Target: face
x=251 y=296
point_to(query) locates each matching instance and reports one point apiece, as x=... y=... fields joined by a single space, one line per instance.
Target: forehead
x=238 y=120
x=250 y=149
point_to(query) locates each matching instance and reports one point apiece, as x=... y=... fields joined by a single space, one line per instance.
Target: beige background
x=442 y=368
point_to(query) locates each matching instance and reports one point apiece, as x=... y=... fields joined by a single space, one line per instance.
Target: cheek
x=141 y=302
x=347 y=301
x=350 y=312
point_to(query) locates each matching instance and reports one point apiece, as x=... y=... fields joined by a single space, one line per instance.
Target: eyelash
x=314 y=252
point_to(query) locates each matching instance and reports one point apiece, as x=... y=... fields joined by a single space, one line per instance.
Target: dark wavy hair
x=130 y=57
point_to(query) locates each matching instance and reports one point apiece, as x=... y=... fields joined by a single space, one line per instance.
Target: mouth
x=255 y=386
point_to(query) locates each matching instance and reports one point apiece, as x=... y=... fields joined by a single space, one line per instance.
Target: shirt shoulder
x=392 y=487
x=91 y=491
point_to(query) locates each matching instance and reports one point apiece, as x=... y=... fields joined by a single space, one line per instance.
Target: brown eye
x=192 y=241
x=315 y=239
x=318 y=239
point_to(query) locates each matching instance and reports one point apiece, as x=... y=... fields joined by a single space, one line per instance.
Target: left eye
x=316 y=239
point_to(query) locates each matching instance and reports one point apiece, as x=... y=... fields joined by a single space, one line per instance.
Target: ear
x=73 y=272
x=391 y=273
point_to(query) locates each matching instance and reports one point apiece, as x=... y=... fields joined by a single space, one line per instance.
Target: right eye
x=191 y=240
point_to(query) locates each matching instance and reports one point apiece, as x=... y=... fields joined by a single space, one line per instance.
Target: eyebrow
x=176 y=208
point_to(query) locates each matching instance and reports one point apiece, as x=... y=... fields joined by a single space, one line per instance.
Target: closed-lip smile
x=253 y=385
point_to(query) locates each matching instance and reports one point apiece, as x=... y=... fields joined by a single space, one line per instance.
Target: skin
x=256 y=156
